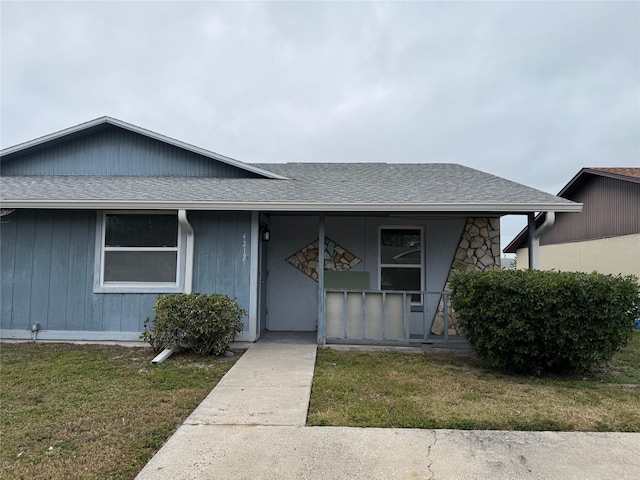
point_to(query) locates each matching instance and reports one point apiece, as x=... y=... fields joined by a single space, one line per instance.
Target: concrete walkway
x=269 y=385
x=251 y=426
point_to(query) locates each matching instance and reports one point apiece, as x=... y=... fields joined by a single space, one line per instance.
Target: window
x=401 y=259
x=140 y=250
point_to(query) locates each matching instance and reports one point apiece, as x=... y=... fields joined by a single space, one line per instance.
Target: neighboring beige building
x=605 y=237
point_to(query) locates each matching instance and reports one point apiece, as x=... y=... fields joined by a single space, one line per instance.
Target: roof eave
x=497 y=208
x=516 y=243
x=618 y=176
x=53 y=136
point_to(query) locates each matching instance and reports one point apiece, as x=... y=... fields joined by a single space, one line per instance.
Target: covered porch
x=385 y=277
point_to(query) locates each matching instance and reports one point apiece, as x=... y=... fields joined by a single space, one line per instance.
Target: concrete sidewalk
x=251 y=426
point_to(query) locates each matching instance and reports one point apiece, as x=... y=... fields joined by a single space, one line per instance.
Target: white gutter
x=515 y=208
x=534 y=239
x=188 y=270
x=188 y=273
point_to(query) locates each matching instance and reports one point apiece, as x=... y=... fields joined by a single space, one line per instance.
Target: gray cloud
x=531 y=91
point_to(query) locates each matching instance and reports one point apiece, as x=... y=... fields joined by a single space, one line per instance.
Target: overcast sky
x=530 y=91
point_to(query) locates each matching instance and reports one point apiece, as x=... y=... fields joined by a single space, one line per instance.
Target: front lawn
x=438 y=390
x=93 y=411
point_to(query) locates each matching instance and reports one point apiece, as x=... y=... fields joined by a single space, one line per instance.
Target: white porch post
x=321 y=313
x=254 y=257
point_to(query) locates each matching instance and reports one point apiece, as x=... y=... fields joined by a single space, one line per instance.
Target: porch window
x=140 y=250
x=401 y=259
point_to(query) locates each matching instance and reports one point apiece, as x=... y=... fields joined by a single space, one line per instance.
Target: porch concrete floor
x=301 y=338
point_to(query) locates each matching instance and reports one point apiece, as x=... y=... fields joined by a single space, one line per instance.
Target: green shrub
x=532 y=321
x=203 y=324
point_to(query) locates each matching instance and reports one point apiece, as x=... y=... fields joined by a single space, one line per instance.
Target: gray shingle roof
x=309 y=186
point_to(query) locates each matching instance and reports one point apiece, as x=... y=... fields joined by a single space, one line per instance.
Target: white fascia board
x=52 y=136
x=295 y=207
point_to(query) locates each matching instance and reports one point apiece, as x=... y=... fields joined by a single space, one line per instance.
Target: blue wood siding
x=115 y=151
x=46 y=276
x=47 y=268
x=222 y=257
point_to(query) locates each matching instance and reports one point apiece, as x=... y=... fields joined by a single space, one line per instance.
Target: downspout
x=188 y=273
x=534 y=238
x=188 y=270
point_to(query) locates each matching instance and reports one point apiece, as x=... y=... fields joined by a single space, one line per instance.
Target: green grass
x=93 y=411
x=625 y=366
x=439 y=390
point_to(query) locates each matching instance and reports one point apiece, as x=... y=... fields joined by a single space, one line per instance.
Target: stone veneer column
x=478 y=249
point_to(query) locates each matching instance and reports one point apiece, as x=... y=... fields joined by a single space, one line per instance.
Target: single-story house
x=604 y=237
x=100 y=218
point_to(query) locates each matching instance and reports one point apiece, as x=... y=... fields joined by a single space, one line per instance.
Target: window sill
x=157 y=289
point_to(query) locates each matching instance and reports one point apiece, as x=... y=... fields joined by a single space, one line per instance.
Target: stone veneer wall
x=336 y=258
x=478 y=249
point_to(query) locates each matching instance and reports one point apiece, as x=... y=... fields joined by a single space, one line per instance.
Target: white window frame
x=396 y=265
x=100 y=286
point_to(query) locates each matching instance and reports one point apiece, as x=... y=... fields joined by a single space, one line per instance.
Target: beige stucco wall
x=607 y=255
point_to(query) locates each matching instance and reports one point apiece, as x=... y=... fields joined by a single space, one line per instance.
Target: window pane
x=400 y=246
x=143 y=267
x=401 y=279
x=141 y=230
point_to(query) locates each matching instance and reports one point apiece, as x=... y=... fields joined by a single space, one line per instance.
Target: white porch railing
x=387 y=317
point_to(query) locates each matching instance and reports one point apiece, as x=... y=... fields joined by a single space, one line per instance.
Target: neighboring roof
x=633 y=173
x=428 y=187
x=100 y=123
x=627 y=174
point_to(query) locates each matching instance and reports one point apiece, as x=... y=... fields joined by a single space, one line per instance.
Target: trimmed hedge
x=532 y=321
x=203 y=324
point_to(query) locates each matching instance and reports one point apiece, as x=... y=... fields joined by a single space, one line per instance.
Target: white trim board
x=475 y=208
